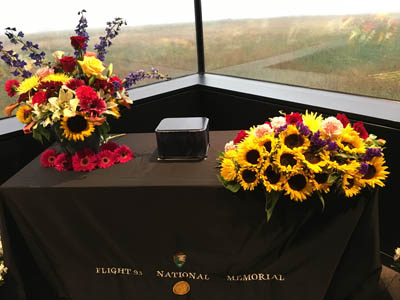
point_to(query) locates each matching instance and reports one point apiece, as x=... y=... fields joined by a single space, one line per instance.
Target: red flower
x=240 y=136
x=97 y=106
x=73 y=84
x=84 y=160
x=116 y=82
x=63 y=162
x=68 y=63
x=11 y=87
x=39 y=98
x=106 y=159
x=86 y=93
x=111 y=146
x=23 y=97
x=124 y=154
x=359 y=127
x=293 y=118
x=342 y=118
x=106 y=86
x=78 y=42
x=48 y=158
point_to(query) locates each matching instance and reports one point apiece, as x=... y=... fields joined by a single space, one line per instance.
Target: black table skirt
x=112 y=234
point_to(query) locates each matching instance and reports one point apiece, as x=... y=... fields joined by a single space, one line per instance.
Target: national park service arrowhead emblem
x=181 y=288
x=179 y=259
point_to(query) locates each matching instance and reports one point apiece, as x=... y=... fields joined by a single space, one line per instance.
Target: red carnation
x=73 y=84
x=39 y=98
x=293 y=118
x=78 y=42
x=101 y=84
x=116 y=82
x=359 y=127
x=11 y=87
x=342 y=118
x=86 y=93
x=240 y=136
x=68 y=63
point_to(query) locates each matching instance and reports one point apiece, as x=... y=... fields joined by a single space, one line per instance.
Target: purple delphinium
x=372 y=152
x=317 y=141
x=134 y=77
x=332 y=146
x=81 y=30
x=363 y=168
x=12 y=59
x=303 y=129
x=280 y=129
x=105 y=41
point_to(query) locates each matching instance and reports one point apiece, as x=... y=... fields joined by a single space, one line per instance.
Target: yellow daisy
x=288 y=160
x=59 y=77
x=250 y=153
x=351 y=185
x=228 y=169
x=248 y=178
x=312 y=121
x=272 y=179
x=292 y=138
x=28 y=84
x=24 y=114
x=376 y=172
x=77 y=127
x=298 y=187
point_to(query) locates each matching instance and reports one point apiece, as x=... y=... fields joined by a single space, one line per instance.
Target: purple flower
x=105 y=41
x=372 y=152
x=317 y=141
x=280 y=129
x=303 y=129
x=332 y=146
x=363 y=168
x=133 y=78
x=81 y=30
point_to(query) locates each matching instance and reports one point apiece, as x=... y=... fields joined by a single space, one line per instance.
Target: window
x=345 y=46
x=159 y=34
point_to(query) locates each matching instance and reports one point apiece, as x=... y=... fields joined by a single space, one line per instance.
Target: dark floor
x=390 y=281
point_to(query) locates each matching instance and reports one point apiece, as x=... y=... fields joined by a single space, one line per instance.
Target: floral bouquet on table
x=303 y=154
x=3 y=268
x=71 y=97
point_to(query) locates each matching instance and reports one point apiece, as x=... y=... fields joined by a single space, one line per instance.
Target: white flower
x=397 y=254
x=332 y=126
x=277 y=122
x=230 y=146
x=262 y=130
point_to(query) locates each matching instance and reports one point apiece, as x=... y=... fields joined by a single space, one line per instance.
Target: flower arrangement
x=71 y=97
x=299 y=155
x=3 y=268
x=396 y=260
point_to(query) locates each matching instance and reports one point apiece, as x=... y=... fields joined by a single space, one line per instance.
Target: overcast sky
x=48 y=15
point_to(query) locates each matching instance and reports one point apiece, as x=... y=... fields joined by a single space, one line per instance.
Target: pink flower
x=111 y=146
x=262 y=130
x=48 y=158
x=240 y=136
x=277 y=122
x=11 y=87
x=332 y=126
x=45 y=71
x=84 y=160
x=124 y=154
x=106 y=159
x=63 y=162
x=230 y=146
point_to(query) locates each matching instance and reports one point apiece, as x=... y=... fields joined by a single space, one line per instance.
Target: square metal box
x=182 y=138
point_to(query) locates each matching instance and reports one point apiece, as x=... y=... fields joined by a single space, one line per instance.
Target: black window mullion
x=199 y=36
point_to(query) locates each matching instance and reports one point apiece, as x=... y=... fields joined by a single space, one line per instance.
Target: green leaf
x=43 y=132
x=232 y=186
x=92 y=79
x=271 y=198
x=109 y=70
x=332 y=178
x=37 y=136
x=321 y=198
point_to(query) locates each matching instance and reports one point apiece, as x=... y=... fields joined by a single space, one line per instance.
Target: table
x=113 y=234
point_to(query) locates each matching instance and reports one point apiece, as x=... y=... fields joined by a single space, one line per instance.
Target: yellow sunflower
x=77 y=127
x=228 y=169
x=59 y=77
x=312 y=121
x=267 y=142
x=320 y=182
x=343 y=164
x=293 y=139
x=272 y=179
x=24 y=114
x=248 y=178
x=315 y=160
x=249 y=153
x=376 y=172
x=28 y=84
x=351 y=185
x=298 y=187
x=288 y=160
x=232 y=154
x=350 y=142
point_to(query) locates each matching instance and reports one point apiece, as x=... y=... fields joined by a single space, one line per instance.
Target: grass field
x=314 y=52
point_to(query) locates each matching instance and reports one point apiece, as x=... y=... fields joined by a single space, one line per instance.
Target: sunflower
x=232 y=154
x=320 y=182
x=272 y=179
x=315 y=160
x=28 y=84
x=24 y=114
x=312 y=121
x=343 y=164
x=298 y=187
x=351 y=185
x=288 y=160
x=376 y=172
x=267 y=142
x=77 y=127
x=248 y=178
x=59 y=77
x=228 y=169
x=249 y=153
x=349 y=142
x=293 y=139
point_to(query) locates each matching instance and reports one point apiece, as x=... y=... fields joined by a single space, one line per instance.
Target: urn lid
x=190 y=124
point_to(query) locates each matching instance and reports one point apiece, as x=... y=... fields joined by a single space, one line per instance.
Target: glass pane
x=158 y=34
x=346 y=46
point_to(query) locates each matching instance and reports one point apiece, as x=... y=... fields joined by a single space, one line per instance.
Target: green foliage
x=271 y=199
x=40 y=132
x=232 y=186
